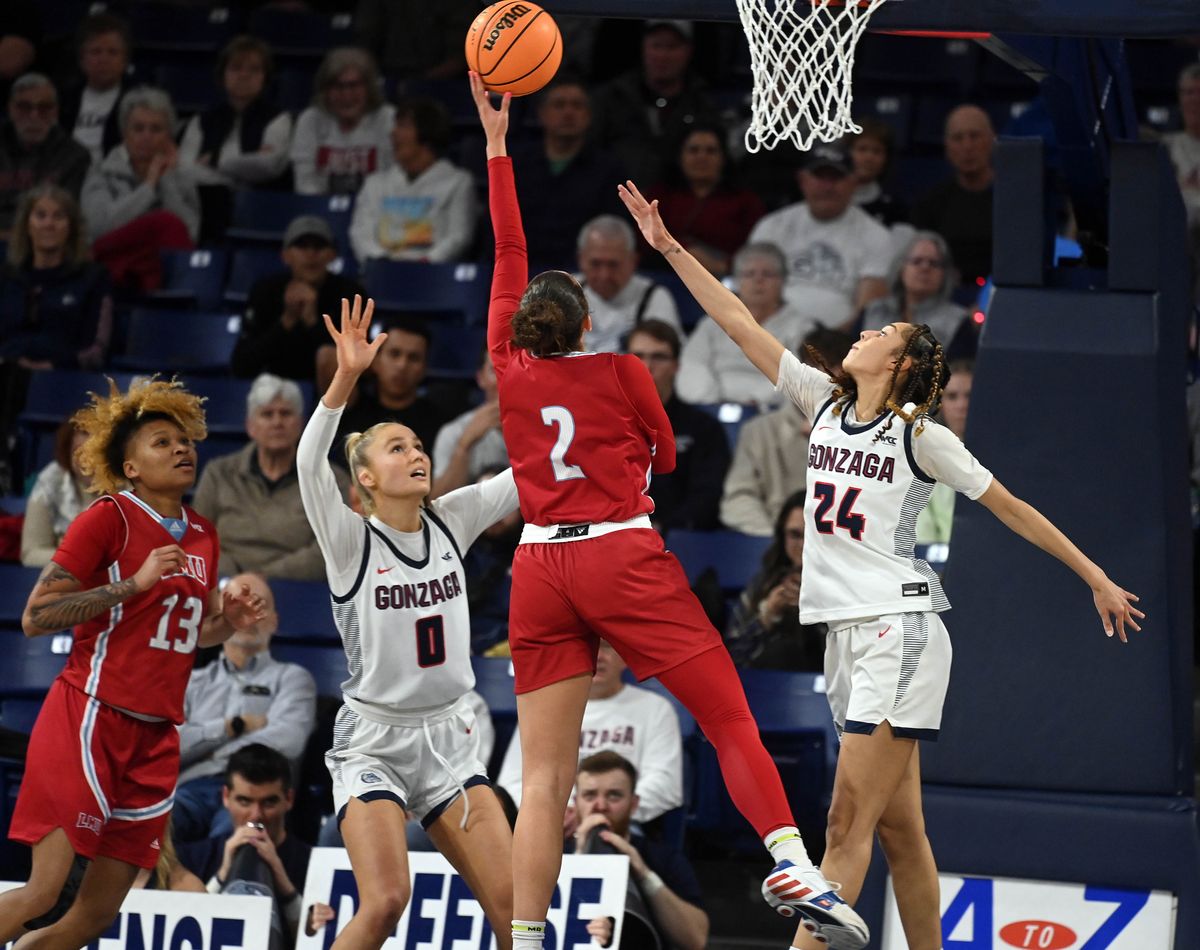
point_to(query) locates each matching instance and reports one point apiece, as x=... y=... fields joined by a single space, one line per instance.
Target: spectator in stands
x=765 y=632
x=393 y=394
x=665 y=881
x=169 y=874
x=142 y=198
x=1184 y=148
x=837 y=254
x=690 y=495
x=771 y=458
x=244 y=696
x=488 y=563
x=636 y=723
x=871 y=153
x=58 y=495
x=90 y=109
x=245 y=139
x=34 y=149
x=468 y=446
x=345 y=135
x=563 y=184
x=713 y=368
x=922 y=282
x=641 y=113
x=934 y=524
x=618 y=299
x=20 y=33
x=282 y=330
x=55 y=304
x=415 y=39
x=253 y=495
x=422 y=208
x=960 y=208
x=257 y=794
x=698 y=202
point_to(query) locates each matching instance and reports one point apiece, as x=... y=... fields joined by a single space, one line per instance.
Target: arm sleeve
x=943 y=457
x=93 y=540
x=37 y=534
x=696 y=381
x=269 y=161
x=453 y=240
x=180 y=197
x=106 y=213
x=339 y=531
x=364 y=224
x=743 y=505
x=467 y=511
x=290 y=717
x=660 y=771
x=304 y=155
x=511 y=272
x=806 y=386
x=199 y=738
x=635 y=381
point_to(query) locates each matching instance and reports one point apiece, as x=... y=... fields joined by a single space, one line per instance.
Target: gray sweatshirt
x=113 y=196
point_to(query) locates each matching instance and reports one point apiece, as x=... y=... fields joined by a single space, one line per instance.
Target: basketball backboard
x=1041 y=17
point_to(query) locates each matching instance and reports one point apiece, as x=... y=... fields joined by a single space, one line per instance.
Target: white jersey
x=399 y=599
x=866 y=486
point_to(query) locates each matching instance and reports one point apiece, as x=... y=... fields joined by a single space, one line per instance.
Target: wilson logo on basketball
x=1039 y=934
x=515 y=13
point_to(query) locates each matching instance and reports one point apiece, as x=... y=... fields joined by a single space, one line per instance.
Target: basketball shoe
x=806 y=894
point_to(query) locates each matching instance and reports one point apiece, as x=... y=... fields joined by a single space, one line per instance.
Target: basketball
x=515 y=47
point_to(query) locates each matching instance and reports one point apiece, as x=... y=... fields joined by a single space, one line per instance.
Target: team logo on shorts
x=90 y=822
x=370 y=778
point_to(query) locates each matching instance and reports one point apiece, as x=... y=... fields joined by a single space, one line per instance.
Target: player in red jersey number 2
x=584 y=432
x=135 y=577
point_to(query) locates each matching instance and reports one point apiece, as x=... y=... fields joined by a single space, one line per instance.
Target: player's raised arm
x=731 y=315
x=1113 y=603
x=510 y=274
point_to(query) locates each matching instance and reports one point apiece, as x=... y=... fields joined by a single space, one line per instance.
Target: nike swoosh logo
x=383 y=570
x=882 y=632
x=823 y=428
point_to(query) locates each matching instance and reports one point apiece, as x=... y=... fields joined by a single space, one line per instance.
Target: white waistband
x=556 y=533
x=410 y=718
x=143 y=717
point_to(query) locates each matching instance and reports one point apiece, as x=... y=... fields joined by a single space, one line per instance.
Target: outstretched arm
x=511 y=271
x=762 y=349
x=1113 y=603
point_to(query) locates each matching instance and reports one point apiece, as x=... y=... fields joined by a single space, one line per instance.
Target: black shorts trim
x=438 y=810
x=900 y=732
x=383 y=795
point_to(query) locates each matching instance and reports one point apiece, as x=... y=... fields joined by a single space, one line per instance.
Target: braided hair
x=921 y=384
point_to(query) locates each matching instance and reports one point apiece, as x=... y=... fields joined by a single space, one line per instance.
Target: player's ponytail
x=357 y=444
x=550 y=317
x=922 y=384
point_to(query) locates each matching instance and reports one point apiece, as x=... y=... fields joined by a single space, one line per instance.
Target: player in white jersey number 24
x=874 y=457
x=405 y=738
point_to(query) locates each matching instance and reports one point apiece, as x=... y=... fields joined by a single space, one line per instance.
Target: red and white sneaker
x=807 y=895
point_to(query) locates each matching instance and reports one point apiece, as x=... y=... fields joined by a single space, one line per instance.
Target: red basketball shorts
x=105 y=778
x=622 y=587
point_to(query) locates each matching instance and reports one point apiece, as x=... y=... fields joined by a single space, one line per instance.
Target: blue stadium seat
x=895 y=109
x=252 y=264
x=214 y=446
x=326 y=663
x=305 y=612
x=194 y=278
x=30 y=665
x=19 y=713
x=734 y=556
x=225 y=402
x=13 y=504
x=882 y=63
x=455 y=349
x=494 y=682
x=731 y=415
x=294 y=88
x=165 y=340
x=458 y=290
x=299 y=32
x=262 y=216
x=191 y=85
x=172 y=27
x=15 y=584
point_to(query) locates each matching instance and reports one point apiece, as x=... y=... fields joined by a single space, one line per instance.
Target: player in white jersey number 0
x=874 y=457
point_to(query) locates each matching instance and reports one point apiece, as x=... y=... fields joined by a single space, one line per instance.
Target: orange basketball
x=515 y=47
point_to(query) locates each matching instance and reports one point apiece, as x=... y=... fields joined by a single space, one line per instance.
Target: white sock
x=528 y=934
x=785 y=844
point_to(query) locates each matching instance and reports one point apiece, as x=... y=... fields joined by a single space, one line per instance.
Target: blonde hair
x=20 y=251
x=110 y=421
x=357 y=444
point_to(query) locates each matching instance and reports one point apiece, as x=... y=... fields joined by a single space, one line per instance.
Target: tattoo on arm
x=71 y=606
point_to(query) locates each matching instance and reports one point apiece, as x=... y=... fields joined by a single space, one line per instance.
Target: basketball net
x=801 y=56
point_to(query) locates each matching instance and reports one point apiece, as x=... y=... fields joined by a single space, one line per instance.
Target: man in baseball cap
x=282 y=330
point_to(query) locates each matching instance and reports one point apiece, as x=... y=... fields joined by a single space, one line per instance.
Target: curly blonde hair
x=110 y=421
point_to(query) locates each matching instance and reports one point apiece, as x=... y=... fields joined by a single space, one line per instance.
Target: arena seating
x=734 y=556
x=185 y=341
x=193 y=278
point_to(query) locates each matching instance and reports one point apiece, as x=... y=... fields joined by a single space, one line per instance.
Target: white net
x=802 y=55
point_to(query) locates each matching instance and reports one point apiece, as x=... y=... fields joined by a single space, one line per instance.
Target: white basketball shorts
x=893 y=668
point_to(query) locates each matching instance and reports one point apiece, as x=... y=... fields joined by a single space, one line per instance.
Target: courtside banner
x=178 y=920
x=983 y=913
x=442 y=914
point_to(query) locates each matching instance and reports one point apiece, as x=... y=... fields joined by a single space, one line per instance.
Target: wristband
x=651 y=884
x=214 y=885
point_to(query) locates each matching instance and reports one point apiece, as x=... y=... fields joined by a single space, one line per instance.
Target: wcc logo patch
x=370 y=778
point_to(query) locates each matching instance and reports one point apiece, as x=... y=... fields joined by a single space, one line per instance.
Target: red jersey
x=138 y=655
x=584 y=430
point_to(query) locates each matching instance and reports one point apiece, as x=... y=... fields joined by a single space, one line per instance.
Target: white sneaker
x=793 y=892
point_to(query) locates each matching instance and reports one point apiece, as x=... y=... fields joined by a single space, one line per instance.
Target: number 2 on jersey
x=561 y=417
x=847 y=518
